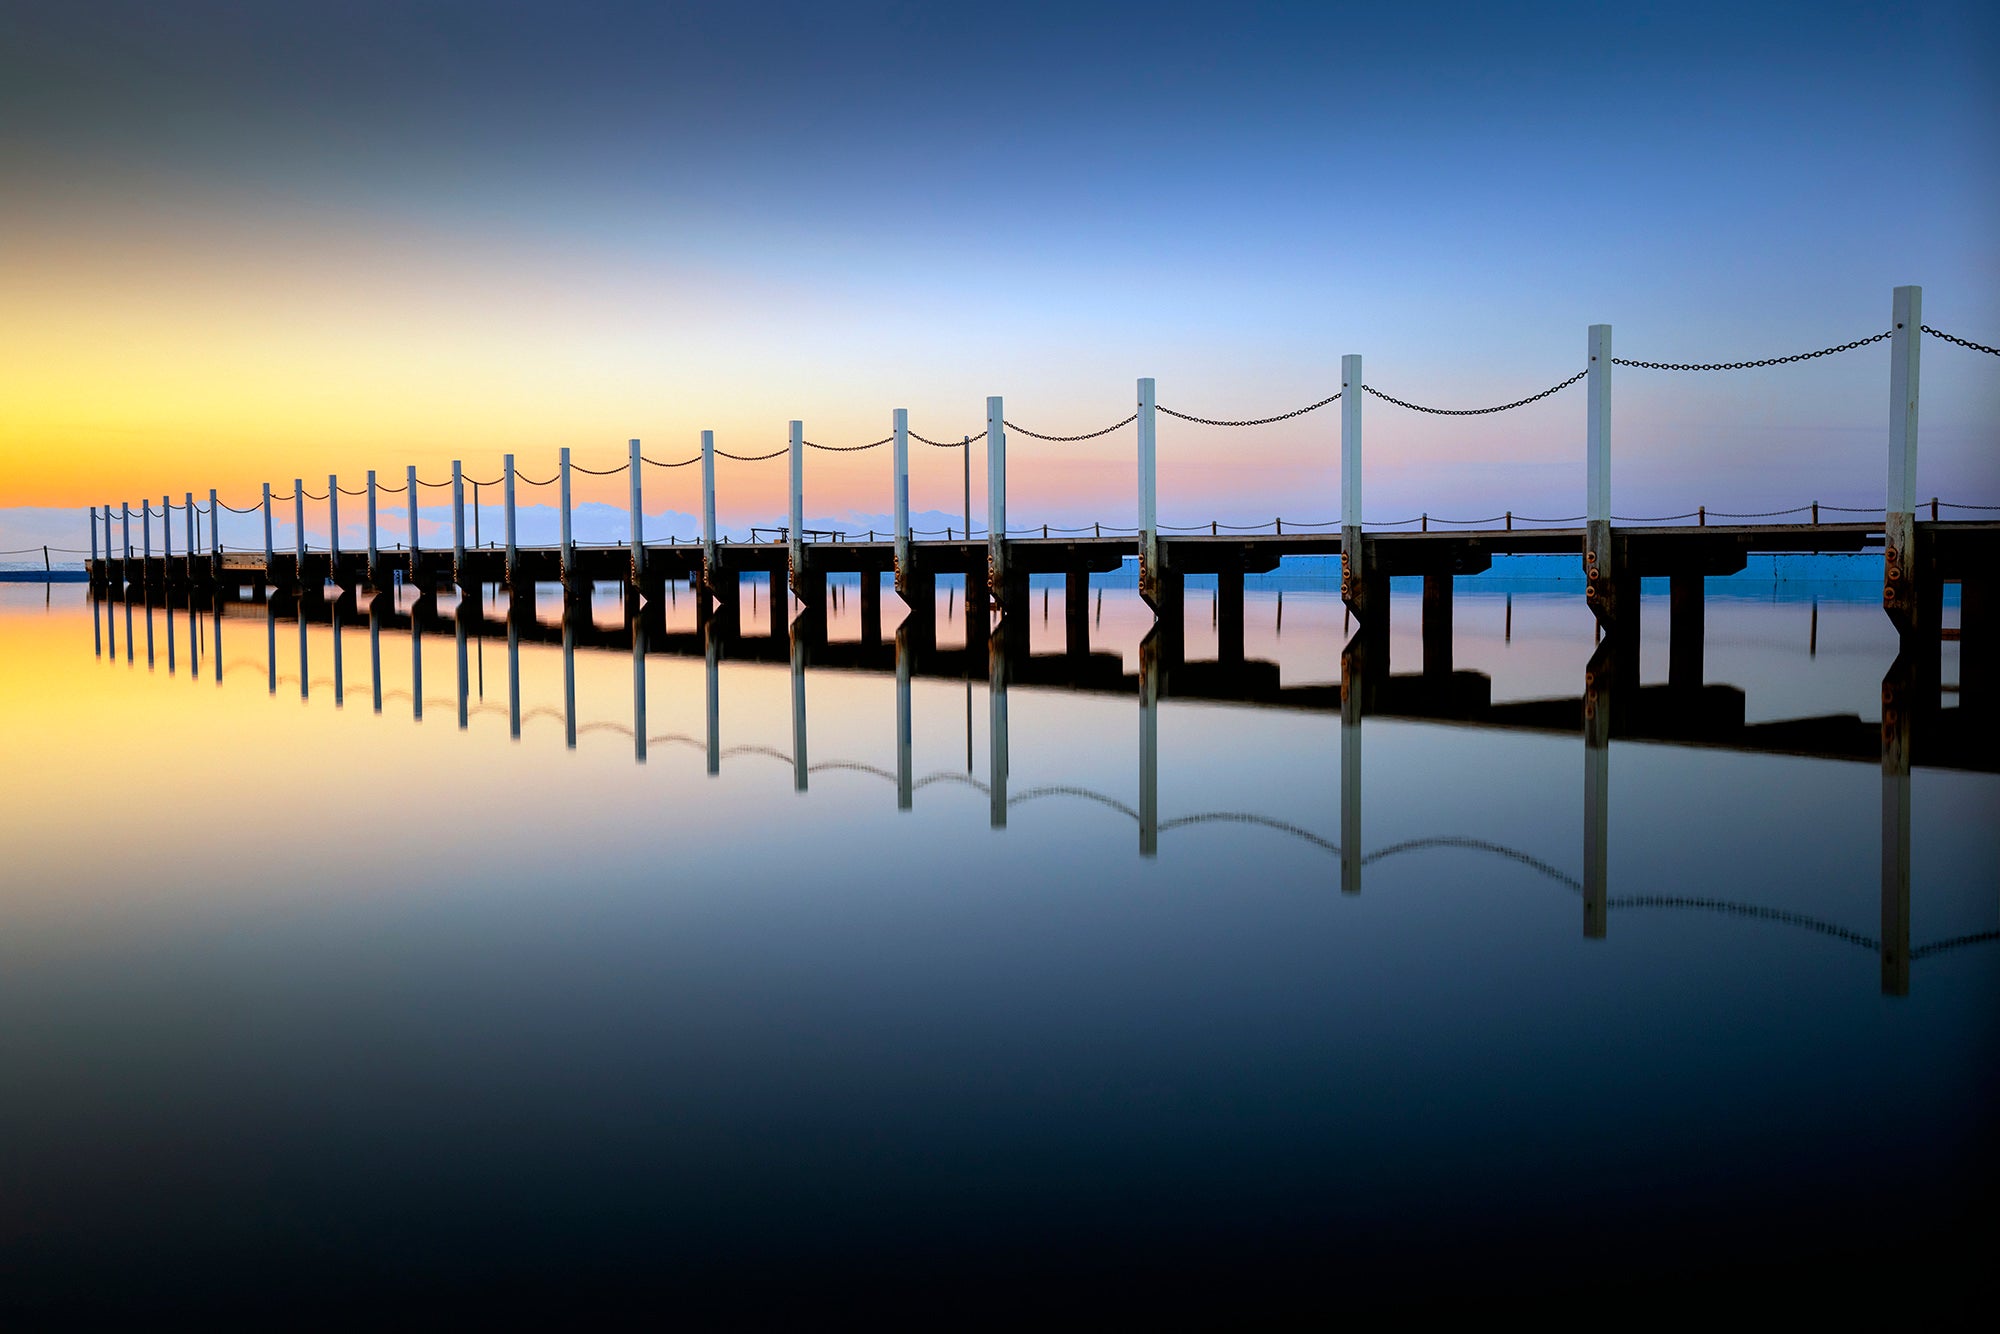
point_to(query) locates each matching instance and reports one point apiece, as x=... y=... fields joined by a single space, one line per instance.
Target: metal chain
x=1476 y=412
x=1066 y=439
x=655 y=462
x=1253 y=421
x=752 y=458
x=948 y=444
x=1750 y=365
x=310 y=496
x=1962 y=342
x=595 y=472
x=345 y=492
x=850 y=449
x=474 y=481
x=435 y=486
x=391 y=490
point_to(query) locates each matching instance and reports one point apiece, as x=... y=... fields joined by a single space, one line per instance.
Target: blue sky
x=613 y=220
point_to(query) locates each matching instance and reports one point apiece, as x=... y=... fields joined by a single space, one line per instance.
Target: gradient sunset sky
x=245 y=242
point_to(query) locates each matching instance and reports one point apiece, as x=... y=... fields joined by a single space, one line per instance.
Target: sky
x=249 y=242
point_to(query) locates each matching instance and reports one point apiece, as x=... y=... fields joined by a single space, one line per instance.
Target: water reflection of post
x=996 y=719
x=1353 y=700
x=712 y=664
x=194 y=640
x=305 y=674
x=173 y=658
x=375 y=647
x=513 y=674
x=149 y=629
x=638 y=680
x=128 y=627
x=1898 y=703
x=271 y=647
x=799 y=709
x=417 y=660
x=570 y=612
x=217 y=653
x=464 y=666
x=905 y=786
x=1149 y=744
x=339 y=675
x=96 y=618
x=1597 y=679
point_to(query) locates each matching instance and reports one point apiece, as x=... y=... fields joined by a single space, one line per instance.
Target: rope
x=1476 y=412
x=474 y=481
x=435 y=486
x=1962 y=342
x=1252 y=421
x=391 y=490
x=1065 y=439
x=752 y=458
x=310 y=496
x=526 y=480
x=655 y=462
x=1750 y=365
x=606 y=472
x=361 y=492
x=854 y=449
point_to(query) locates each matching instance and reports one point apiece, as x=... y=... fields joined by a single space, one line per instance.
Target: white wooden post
x=270 y=552
x=146 y=527
x=167 y=532
x=996 y=494
x=411 y=485
x=1350 y=442
x=638 y=521
x=507 y=497
x=900 y=482
x=214 y=526
x=708 y=497
x=795 y=515
x=299 y=528
x=93 y=534
x=374 y=546
x=190 y=525
x=1597 y=557
x=125 y=524
x=1149 y=512
x=333 y=522
x=563 y=471
x=457 y=520
x=1899 y=582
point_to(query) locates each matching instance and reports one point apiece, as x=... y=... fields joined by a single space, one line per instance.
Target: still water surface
x=313 y=1005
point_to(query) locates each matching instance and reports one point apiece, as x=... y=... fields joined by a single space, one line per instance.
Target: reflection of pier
x=1607 y=709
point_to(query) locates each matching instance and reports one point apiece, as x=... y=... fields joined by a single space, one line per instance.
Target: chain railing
x=1250 y=421
x=1509 y=519
x=1476 y=412
x=1962 y=342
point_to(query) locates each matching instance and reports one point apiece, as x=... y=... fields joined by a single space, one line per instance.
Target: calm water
x=314 y=1004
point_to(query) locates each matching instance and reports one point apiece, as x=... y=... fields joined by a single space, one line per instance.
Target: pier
x=1923 y=549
